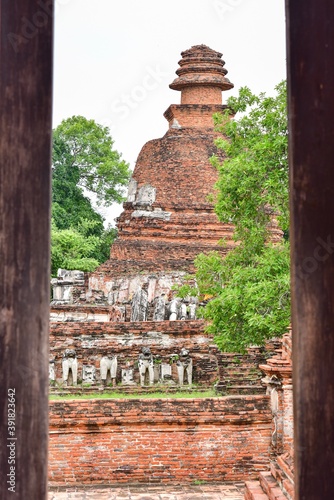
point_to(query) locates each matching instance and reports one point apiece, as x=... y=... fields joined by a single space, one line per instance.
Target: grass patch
x=149 y=395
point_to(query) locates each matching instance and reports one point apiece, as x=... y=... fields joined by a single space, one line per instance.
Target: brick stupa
x=168 y=218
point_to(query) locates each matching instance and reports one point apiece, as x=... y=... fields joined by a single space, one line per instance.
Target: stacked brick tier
x=91 y=341
x=169 y=216
x=158 y=441
x=201 y=76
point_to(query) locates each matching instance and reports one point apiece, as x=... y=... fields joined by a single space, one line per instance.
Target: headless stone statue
x=140 y=304
x=184 y=365
x=52 y=371
x=145 y=363
x=108 y=364
x=70 y=362
x=183 y=311
x=174 y=310
x=159 y=310
x=192 y=309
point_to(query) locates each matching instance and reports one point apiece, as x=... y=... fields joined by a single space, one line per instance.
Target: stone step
x=270 y=486
x=242 y=369
x=253 y=491
x=247 y=384
x=247 y=374
x=240 y=378
x=243 y=383
x=284 y=476
x=285 y=467
x=241 y=389
x=243 y=361
x=246 y=371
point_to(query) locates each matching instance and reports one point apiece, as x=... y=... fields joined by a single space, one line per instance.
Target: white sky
x=114 y=59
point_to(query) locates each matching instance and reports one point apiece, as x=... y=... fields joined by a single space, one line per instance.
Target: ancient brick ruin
x=168 y=218
x=123 y=325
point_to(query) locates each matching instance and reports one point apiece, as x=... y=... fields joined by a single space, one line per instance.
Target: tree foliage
x=69 y=204
x=79 y=248
x=247 y=292
x=253 y=179
x=86 y=148
x=83 y=162
x=249 y=297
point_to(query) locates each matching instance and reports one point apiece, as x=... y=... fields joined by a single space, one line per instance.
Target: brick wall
x=164 y=440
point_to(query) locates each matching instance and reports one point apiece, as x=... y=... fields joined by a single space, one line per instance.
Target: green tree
x=83 y=161
x=86 y=148
x=79 y=248
x=69 y=204
x=248 y=290
x=253 y=179
x=249 y=298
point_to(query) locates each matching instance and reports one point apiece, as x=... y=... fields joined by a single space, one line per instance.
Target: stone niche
x=146 y=196
x=88 y=374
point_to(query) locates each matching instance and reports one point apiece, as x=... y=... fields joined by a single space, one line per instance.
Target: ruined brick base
x=158 y=441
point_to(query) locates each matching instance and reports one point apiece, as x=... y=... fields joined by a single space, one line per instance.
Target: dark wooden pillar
x=25 y=146
x=310 y=39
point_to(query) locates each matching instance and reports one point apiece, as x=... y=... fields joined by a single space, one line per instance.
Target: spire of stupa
x=201 y=76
